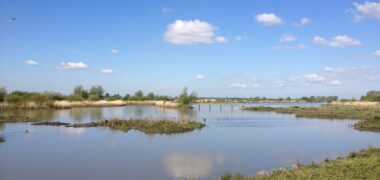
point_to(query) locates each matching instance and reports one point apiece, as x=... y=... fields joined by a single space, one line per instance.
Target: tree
x=3 y=93
x=80 y=93
x=139 y=95
x=371 y=96
x=185 y=100
x=151 y=96
x=96 y=93
x=126 y=97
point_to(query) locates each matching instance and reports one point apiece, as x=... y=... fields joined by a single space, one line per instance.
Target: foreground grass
x=153 y=127
x=364 y=164
x=369 y=117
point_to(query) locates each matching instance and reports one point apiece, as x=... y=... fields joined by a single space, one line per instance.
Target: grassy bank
x=368 y=116
x=364 y=164
x=146 y=126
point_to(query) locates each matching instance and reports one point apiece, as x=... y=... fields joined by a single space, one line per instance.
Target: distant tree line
x=371 y=96
x=79 y=93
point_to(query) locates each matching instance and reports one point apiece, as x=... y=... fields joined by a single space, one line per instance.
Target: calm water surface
x=233 y=141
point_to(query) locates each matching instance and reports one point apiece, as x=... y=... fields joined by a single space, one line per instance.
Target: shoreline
x=362 y=164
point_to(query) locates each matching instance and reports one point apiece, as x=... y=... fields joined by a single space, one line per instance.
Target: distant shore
x=102 y=103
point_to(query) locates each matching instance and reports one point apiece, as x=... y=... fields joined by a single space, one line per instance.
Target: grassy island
x=364 y=164
x=146 y=126
x=153 y=127
x=368 y=116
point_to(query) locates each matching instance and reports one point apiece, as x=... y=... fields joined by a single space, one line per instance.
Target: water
x=233 y=141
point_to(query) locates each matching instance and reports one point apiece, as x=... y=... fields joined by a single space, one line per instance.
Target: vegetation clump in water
x=2 y=139
x=146 y=126
x=369 y=117
x=152 y=126
x=364 y=164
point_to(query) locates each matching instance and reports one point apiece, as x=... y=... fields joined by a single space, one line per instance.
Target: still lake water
x=233 y=141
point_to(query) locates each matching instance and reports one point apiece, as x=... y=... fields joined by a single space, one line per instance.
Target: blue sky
x=216 y=48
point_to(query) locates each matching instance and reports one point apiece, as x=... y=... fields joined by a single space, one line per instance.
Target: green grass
x=369 y=117
x=364 y=164
x=152 y=126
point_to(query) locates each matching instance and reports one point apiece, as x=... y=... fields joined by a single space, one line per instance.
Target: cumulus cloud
x=288 y=38
x=115 y=51
x=314 y=78
x=366 y=10
x=377 y=53
x=200 y=77
x=318 y=79
x=192 y=32
x=31 y=62
x=339 y=41
x=72 y=65
x=239 y=38
x=268 y=19
x=304 y=21
x=284 y=47
x=107 y=71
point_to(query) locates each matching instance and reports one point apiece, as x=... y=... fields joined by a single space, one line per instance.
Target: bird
x=13 y=19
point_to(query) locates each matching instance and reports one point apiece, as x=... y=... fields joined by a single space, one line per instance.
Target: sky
x=229 y=48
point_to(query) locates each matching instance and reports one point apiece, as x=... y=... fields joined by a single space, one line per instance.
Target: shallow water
x=233 y=141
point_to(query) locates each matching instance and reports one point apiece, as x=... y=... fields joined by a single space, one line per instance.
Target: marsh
x=233 y=141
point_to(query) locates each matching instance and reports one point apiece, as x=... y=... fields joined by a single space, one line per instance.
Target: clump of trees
x=139 y=96
x=185 y=99
x=371 y=96
x=3 y=93
x=22 y=98
x=320 y=98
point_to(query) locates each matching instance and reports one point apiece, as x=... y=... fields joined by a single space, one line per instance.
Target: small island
x=145 y=126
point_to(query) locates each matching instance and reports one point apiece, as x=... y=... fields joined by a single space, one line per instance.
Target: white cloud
x=284 y=47
x=200 y=77
x=268 y=19
x=31 y=62
x=339 y=41
x=314 y=78
x=72 y=65
x=377 y=53
x=338 y=70
x=366 y=10
x=221 y=39
x=304 y=21
x=334 y=83
x=192 y=32
x=115 y=51
x=166 y=10
x=107 y=71
x=244 y=85
x=287 y=38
